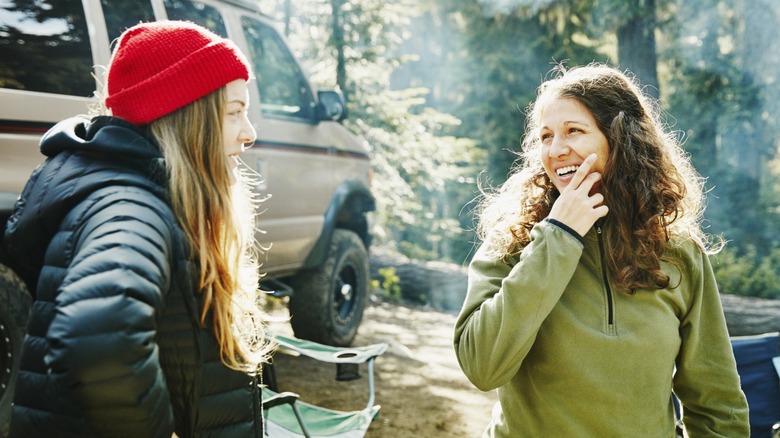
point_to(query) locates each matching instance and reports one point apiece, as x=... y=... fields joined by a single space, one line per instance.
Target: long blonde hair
x=650 y=186
x=218 y=218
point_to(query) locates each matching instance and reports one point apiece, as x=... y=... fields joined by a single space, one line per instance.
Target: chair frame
x=341 y=356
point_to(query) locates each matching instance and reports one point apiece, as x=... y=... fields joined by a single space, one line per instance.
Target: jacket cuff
x=566 y=228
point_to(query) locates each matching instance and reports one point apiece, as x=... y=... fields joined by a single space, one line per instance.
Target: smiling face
x=237 y=131
x=568 y=134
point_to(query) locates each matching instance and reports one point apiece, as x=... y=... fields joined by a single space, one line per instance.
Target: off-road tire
x=14 y=309
x=327 y=303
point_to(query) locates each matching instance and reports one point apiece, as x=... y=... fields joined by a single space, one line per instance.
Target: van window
x=123 y=14
x=196 y=12
x=283 y=89
x=44 y=46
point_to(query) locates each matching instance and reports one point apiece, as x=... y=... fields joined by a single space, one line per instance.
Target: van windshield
x=124 y=14
x=284 y=91
x=198 y=13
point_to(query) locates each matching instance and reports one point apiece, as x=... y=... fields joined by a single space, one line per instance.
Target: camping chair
x=287 y=416
x=758 y=364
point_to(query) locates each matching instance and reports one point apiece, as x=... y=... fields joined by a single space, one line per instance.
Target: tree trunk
x=636 y=45
x=287 y=17
x=337 y=41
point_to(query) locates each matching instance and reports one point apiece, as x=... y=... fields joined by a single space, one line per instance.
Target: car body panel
x=300 y=162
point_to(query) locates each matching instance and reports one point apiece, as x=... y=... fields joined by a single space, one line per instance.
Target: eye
x=575 y=130
x=545 y=136
x=234 y=109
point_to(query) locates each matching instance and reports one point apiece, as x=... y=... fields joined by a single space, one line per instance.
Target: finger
x=589 y=181
x=582 y=171
x=597 y=199
x=601 y=211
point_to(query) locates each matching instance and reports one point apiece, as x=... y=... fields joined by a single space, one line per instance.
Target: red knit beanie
x=162 y=66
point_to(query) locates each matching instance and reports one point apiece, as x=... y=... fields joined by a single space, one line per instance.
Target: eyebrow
x=569 y=122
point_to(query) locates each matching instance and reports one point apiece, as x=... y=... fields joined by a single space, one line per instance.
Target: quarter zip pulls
x=605 y=278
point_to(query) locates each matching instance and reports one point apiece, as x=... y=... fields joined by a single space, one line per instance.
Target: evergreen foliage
x=438 y=89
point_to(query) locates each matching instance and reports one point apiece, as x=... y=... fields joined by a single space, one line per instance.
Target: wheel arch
x=7 y=203
x=347 y=209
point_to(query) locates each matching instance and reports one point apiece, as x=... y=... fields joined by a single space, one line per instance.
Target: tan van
x=315 y=173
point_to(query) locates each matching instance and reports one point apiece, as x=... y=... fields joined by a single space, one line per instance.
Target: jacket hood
x=83 y=156
x=102 y=135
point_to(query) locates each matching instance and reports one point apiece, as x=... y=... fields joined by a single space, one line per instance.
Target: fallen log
x=442 y=286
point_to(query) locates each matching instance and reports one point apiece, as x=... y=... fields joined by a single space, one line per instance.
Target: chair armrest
x=327 y=353
x=282 y=398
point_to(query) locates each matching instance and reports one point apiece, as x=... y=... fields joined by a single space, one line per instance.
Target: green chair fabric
x=287 y=416
x=290 y=420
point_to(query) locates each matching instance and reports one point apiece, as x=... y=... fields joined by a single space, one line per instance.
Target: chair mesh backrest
x=759 y=380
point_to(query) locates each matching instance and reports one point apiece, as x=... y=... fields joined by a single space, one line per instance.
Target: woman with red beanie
x=135 y=238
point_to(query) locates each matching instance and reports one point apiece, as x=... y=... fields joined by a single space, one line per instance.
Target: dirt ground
x=420 y=387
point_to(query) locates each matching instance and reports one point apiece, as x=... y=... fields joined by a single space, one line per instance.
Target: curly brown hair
x=652 y=191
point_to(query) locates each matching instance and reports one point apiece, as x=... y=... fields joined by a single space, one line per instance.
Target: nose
x=248 y=135
x=558 y=147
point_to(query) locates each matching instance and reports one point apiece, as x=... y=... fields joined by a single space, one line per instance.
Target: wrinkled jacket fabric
x=113 y=344
x=572 y=357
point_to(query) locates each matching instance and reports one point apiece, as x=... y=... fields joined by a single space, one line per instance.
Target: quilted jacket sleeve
x=103 y=351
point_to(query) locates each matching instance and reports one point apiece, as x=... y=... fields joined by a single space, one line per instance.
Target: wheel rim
x=6 y=357
x=344 y=294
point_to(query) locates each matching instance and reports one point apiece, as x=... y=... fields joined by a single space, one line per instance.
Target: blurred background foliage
x=438 y=89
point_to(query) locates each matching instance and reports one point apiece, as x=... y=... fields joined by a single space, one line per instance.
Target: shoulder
x=134 y=212
x=551 y=238
x=685 y=249
x=125 y=202
x=134 y=198
x=686 y=260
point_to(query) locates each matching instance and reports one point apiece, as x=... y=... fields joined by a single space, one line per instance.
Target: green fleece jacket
x=572 y=357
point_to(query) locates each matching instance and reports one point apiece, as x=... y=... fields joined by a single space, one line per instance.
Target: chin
x=233 y=175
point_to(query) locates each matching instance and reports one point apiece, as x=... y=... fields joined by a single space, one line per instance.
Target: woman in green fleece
x=592 y=298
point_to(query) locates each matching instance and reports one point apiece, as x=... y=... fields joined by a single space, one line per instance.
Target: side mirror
x=331 y=106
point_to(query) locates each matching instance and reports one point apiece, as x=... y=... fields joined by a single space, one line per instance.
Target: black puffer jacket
x=113 y=346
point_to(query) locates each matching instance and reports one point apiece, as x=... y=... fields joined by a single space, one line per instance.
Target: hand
x=576 y=207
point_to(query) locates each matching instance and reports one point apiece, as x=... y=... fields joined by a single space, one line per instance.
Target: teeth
x=567 y=169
